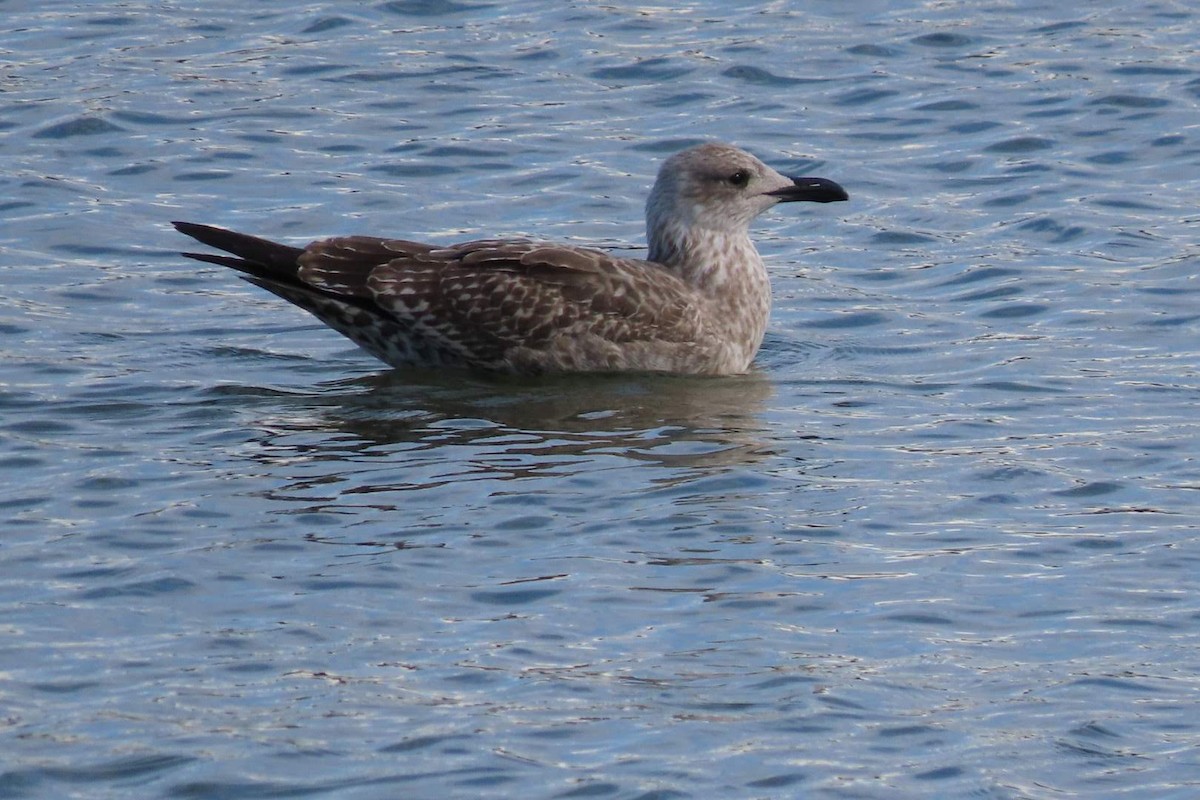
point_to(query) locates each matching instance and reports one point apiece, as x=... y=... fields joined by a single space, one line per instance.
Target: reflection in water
x=384 y=407
x=461 y=441
x=571 y=414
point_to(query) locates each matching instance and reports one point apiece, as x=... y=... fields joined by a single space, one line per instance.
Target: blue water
x=942 y=542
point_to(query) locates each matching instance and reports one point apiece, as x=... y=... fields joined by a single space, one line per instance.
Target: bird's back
x=508 y=305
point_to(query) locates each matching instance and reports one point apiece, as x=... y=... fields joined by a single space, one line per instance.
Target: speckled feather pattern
x=698 y=305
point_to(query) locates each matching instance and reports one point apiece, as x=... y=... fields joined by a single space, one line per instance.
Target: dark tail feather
x=273 y=266
x=259 y=257
x=224 y=261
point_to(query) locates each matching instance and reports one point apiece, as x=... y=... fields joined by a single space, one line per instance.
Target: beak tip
x=812 y=190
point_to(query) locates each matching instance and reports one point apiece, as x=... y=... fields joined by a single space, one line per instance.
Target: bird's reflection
x=563 y=414
x=423 y=429
x=445 y=449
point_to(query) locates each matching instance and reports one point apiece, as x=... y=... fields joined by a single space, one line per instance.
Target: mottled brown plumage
x=699 y=305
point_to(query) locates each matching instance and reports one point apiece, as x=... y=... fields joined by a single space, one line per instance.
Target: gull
x=698 y=304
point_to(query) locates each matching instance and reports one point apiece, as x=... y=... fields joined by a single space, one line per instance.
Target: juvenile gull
x=698 y=304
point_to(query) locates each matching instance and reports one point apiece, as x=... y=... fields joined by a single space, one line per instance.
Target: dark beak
x=812 y=190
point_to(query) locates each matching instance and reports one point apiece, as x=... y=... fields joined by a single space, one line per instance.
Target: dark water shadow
x=668 y=420
x=382 y=407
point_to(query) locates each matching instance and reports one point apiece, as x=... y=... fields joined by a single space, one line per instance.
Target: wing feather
x=481 y=301
x=344 y=264
x=487 y=298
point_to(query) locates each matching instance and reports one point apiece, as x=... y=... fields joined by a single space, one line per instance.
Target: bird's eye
x=739 y=178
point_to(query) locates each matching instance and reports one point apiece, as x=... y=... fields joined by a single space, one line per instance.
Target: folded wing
x=496 y=304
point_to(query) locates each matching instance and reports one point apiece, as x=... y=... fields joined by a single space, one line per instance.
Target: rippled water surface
x=942 y=542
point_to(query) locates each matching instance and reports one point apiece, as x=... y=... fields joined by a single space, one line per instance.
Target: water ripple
x=959 y=484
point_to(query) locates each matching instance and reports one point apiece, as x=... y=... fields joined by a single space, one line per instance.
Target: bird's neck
x=715 y=262
x=727 y=269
